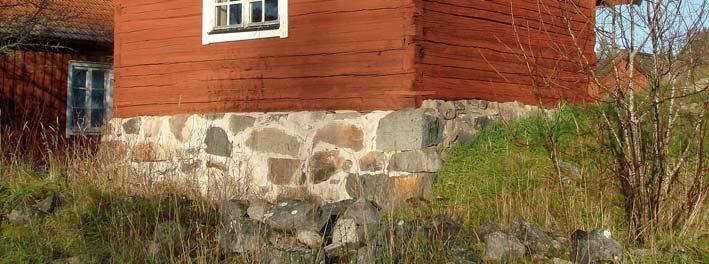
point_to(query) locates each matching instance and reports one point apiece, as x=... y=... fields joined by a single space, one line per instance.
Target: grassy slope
x=502 y=176
x=508 y=162
x=96 y=225
x=506 y=174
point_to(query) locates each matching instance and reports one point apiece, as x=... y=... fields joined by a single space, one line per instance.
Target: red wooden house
x=232 y=56
x=316 y=98
x=72 y=40
x=322 y=98
x=614 y=74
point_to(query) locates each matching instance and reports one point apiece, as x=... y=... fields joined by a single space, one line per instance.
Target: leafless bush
x=651 y=81
x=23 y=23
x=660 y=170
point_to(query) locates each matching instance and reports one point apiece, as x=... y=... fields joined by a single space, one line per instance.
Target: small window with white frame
x=231 y=20
x=89 y=97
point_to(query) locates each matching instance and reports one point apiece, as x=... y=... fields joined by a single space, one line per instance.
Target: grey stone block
x=291 y=215
x=594 y=247
x=425 y=160
x=379 y=188
x=359 y=223
x=24 y=215
x=285 y=171
x=309 y=238
x=132 y=126
x=447 y=110
x=341 y=135
x=274 y=141
x=324 y=164
x=501 y=246
x=239 y=123
x=465 y=128
x=177 y=124
x=408 y=130
x=373 y=161
x=218 y=142
x=48 y=204
x=257 y=209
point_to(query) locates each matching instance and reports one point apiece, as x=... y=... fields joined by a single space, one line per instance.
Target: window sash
x=245 y=14
x=90 y=110
x=271 y=29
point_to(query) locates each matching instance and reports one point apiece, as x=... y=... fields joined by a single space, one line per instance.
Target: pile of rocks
x=24 y=214
x=596 y=246
x=293 y=231
x=524 y=239
x=517 y=240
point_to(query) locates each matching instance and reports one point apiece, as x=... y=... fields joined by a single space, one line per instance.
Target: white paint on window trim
x=208 y=16
x=108 y=95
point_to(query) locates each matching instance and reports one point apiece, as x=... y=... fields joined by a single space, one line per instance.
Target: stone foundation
x=391 y=157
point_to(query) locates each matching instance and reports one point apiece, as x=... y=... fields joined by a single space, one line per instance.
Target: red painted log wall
x=340 y=54
x=344 y=54
x=523 y=51
x=33 y=86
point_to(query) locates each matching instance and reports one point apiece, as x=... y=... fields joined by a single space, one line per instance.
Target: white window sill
x=208 y=38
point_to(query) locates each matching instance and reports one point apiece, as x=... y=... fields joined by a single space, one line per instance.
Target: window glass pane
x=235 y=14
x=78 y=97
x=79 y=116
x=98 y=79
x=221 y=18
x=256 y=9
x=97 y=117
x=271 y=10
x=78 y=78
x=98 y=99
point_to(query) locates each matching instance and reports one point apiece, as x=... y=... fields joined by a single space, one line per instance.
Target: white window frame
x=71 y=129
x=209 y=18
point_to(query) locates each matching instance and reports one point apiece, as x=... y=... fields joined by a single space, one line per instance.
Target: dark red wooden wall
x=340 y=54
x=33 y=87
x=506 y=50
x=344 y=54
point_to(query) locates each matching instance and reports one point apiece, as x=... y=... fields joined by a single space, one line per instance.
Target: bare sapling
x=651 y=82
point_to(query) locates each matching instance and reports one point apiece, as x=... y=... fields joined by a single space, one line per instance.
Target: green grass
x=506 y=174
x=509 y=161
x=503 y=175
x=98 y=226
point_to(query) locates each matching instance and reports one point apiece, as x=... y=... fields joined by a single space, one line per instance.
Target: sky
x=688 y=10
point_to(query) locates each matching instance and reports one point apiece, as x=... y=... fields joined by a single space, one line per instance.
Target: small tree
x=655 y=130
x=25 y=24
x=653 y=162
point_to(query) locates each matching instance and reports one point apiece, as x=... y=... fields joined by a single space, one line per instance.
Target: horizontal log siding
x=479 y=49
x=340 y=54
x=33 y=86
